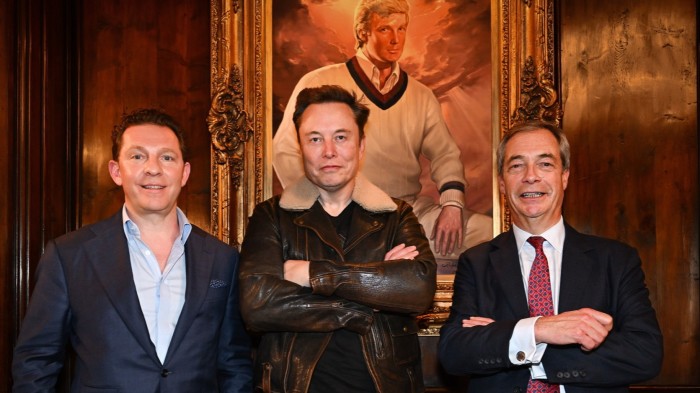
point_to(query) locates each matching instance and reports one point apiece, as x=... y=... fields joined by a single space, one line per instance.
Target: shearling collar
x=302 y=194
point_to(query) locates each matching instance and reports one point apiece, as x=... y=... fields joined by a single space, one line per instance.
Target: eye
x=547 y=165
x=168 y=157
x=315 y=139
x=341 y=138
x=137 y=156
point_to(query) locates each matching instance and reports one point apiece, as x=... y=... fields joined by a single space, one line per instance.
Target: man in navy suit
x=591 y=326
x=148 y=302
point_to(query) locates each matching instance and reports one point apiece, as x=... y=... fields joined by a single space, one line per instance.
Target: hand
x=297 y=271
x=586 y=327
x=448 y=230
x=401 y=252
x=476 y=321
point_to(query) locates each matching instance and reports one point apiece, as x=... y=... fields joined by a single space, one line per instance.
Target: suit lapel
x=199 y=262
x=506 y=264
x=576 y=272
x=108 y=253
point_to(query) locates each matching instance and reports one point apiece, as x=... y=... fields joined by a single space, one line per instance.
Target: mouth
x=528 y=195
x=153 y=187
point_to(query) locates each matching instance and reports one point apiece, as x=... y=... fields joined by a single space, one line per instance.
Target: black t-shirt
x=342 y=367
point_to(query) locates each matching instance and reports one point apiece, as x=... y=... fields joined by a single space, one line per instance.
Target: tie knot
x=536 y=242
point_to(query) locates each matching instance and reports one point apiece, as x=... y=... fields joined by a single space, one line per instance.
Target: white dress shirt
x=523 y=339
x=372 y=73
x=161 y=294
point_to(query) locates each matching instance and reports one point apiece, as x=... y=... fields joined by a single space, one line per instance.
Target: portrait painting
x=448 y=48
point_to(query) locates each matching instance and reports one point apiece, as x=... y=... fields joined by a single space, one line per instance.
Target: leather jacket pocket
x=404 y=340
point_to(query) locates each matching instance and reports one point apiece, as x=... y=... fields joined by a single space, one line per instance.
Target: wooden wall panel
x=137 y=54
x=7 y=166
x=629 y=92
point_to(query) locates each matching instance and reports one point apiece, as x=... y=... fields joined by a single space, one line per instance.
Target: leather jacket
x=352 y=287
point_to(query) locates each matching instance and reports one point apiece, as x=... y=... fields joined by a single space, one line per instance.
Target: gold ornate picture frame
x=525 y=86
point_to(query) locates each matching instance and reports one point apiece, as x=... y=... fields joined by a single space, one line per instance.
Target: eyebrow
x=540 y=156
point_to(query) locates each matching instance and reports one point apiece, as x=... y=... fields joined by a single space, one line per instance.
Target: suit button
x=164 y=372
x=520 y=356
x=567 y=375
x=575 y=374
x=560 y=374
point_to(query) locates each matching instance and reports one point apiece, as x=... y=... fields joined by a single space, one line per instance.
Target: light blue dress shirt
x=161 y=294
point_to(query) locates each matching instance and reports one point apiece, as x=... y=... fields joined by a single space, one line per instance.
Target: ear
x=114 y=172
x=362 y=33
x=362 y=148
x=501 y=185
x=565 y=179
x=185 y=174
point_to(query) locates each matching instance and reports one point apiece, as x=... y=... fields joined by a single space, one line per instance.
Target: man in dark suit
x=148 y=302
x=542 y=307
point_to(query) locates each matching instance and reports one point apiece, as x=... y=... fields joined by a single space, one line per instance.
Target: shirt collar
x=130 y=228
x=373 y=72
x=554 y=235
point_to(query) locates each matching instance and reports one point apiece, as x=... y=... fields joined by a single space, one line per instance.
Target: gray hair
x=564 y=148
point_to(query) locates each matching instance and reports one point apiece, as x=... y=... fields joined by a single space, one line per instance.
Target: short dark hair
x=532 y=125
x=146 y=116
x=327 y=94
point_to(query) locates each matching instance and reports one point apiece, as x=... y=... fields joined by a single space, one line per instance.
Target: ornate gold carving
x=526 y=79
x=240 y=142
x=538 y=97
x=229 y=126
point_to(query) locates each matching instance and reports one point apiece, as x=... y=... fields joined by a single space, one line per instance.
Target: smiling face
x=385 y=39
x=150 y=169
x=331 y=146
x=533 y=180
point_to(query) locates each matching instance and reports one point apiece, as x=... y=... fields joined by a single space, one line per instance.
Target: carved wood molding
x=526 y=79
x=240 y=169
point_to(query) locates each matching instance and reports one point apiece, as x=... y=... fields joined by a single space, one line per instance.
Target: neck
x=334 y=202
x=384 y=68
x=156 y=223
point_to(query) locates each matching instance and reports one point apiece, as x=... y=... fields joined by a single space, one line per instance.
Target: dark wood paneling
x=136 y=54
x=629 y=88
x=7 y=167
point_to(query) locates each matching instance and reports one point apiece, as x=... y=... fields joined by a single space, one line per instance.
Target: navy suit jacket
x=598 y=273
x=85 y=296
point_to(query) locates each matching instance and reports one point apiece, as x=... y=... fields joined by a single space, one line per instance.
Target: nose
x=329 y=150
x=531 y=175
x=394 y=39
x=152 y=167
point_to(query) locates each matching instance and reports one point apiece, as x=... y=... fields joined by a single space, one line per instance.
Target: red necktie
x=539 y=298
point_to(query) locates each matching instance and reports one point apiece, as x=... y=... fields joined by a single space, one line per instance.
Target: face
x=534 y=180
x=331 y=146
x=150 y=169
x=385 y=39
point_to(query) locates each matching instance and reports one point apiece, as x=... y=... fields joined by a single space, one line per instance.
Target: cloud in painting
x=300 y=45
x=458 y=46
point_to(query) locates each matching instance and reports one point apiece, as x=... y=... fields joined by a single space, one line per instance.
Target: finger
x=391 y=253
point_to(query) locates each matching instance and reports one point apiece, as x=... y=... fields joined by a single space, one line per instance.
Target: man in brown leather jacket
x=334 y=271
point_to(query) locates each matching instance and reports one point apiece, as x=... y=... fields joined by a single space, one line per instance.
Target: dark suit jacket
x=85 y=295
x=598 y=273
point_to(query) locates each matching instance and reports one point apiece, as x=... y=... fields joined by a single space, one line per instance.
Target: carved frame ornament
x=525 y=87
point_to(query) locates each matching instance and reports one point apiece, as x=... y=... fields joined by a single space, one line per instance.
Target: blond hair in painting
x=383 y=8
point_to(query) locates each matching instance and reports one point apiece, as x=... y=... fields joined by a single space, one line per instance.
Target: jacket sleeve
x=480 y=349
x=402 y=286
x=271 y=303
x=633 y=350
x=41 y=347
x=234 y=357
